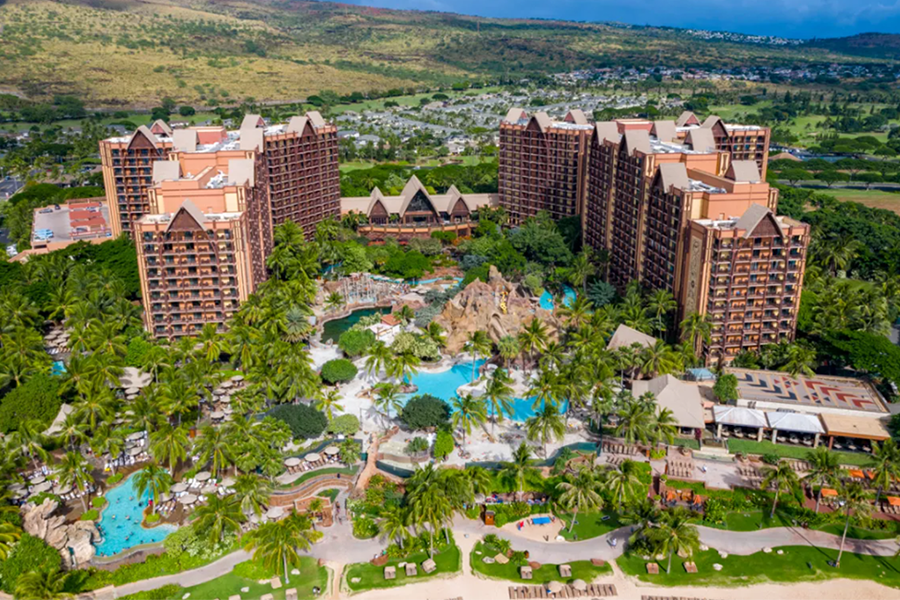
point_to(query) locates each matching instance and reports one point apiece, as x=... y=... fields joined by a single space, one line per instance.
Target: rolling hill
x=134 y=52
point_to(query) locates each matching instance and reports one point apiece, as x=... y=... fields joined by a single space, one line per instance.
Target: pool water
x=120 y=523
x=547 y=302
x=443 y=385
x=58 y=368
x=332 y=330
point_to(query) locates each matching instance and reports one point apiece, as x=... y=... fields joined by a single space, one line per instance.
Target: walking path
x=339 y=548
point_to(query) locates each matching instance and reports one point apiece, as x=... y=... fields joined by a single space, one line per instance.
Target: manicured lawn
x=248 y=574
x=798 y=563
x=349 y=471
x=862 y=534
x=581 y=569
x=589 y=525
x=449 y=560
x=330 y=494
x=765 y=447
x=871 y=198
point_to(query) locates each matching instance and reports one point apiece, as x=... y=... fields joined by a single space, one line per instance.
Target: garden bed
x=581 y=569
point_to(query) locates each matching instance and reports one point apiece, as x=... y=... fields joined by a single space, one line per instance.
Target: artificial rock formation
x=497 y=307
x=41 y=521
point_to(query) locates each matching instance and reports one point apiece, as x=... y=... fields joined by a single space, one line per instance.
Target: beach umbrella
x=228 y=410
x=312 y=457
x=216 y=414
x=17 y=487
x=165 y=498
x=227 y=482
x=276 y=512
x=226 y=384
x=203 y=476
x=135 y=436
x=132 y=391
x=237 y=378
x=291 y=462
x=134 y=451
x=63 y=489
x=208 y=489
x=332 y=450
x=179 y=488
x=38 y=480
x=555 y=587
x=187 y=499
x=42 y=487
x=579 y=584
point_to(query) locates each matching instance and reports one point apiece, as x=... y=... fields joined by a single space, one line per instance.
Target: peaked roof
x=711 y=120
x=743 y=171
x=683 y=399
x=687 y=118
x=184 y=140
x=665 y=131
x=144 y=131
x=740 y=416
x=673 y=174
x=412 y=187
x=315 y=117
x=792 y=421
x=576 y=115
x=637 y=139
x=514 y=115
x=607 y=130
x=252 y=139
x=166 y=170
x=753 y=216
x=701 y=140
x=189 y=208
x=625 y=336
x=162 y=126
x=297 y=124
x=241 y=171
x=252 y=122
x=543 y=120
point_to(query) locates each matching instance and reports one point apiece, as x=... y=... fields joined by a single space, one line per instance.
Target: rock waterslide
x=498 y=307
x=43 y=522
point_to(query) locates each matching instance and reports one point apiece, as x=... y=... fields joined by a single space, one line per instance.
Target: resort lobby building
x=300 y=160
x=416 y=213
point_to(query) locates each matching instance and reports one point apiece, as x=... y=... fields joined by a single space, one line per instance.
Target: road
x=8 y=187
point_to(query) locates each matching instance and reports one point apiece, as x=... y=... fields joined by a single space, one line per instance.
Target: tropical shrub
x=443 y=444
x=364 y=527
x=356 y=342
x=424 y=411
x=338 y=370
x=91 y=515
x=98 y=502
x=726 y=388
x=344 y=425
x=29 y=554
x=38 y=398
x=304 y=421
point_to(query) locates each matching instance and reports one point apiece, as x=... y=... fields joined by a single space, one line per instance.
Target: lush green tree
x=41 y=585
x=674 y=533
x=276 y=544
x=726 y=388
x=579 y=492
x=154 y=479
x=74 y=470
x=304 y=421
x=498 y=394
x=824 y=468
x=394 y=524
x=856 y=502
x=782 y=478
x=219 y=516
x=356 y=342
x=38 y=399
x=252 y=493
x=338 y=370
x=519 y=467
x=327 y=402
x=547 y=425
x=623 y=482
x=424 y=411
x=30 y=554
x=468 y=411
x=478 y=343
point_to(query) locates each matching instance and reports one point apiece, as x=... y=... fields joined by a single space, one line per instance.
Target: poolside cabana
x=807 y=425
x=683 y=399
x=843 y=430
x=625 y=337
x=739 y=418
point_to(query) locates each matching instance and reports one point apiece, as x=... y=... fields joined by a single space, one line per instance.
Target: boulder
x=41 y=521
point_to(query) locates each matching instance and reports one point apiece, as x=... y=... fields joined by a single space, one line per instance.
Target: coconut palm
x=252 y=493
x=380 y=358
x=29 y=440
x=856 y=502
x=498 y=393
x=169 y=445
x=579 y=492
x=41 y=585
x=577 y=313
x=218 y=516
x=801 y=359
x=582 y=269
x=214 y=449
x=659 y=359
x=783 y=478
x=659 y=304
x=72 y=432
x=406 y=314
x=695 y=329
x=544 y=389
x=635 y=422
x=480 y=479
x=623 y=482
x=533 y=338
x=674 y=534
x=665 y=426
x=887 y=465
x=468 y=411
x=824 y=468
x=9 y=535
x=179 y=398
x=519 y=467
x=96 y=407
x=74 y=470
x=393 y=524
x=275 y=544
x=334 y=301
x=154 y=479
x=349 y=452
x=430 y=504
x=404 y=366
x=435 y=333
x=478 y=343
x=509 y=348
x=387 y=397
x=547 y=425
x=328 y=402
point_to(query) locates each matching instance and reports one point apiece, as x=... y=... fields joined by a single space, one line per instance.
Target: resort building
x=543 y=164
x=416 y=212
x=300 y=158
x=207 y=231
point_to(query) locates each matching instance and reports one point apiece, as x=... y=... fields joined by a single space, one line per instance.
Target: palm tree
x=349 y=452
x=156 y=360
x=695 y=329
x=393 y=524
x=72 y=432
x=659 y=304
x=801 y=359
x=95 y=407
x=675 y=534
x=429 y=503
x=379 y=358
x=74 y=470
x=179 y=398
x=467 y=411
x=327 y=402
x=582 y=269
x=856 y=501
x=404 y=366
x=214 y=448
x=218 y=516
x=659 y=359
x=887 y=465
x=406 y=314
x=783 y=478
x=169 y=445
x=154 y=479
x=478 y=343
x=252 y=493
x=509 y=348
x=577 y=313
x=546 y=425
x=623 y=482
x=579 y=492
x=533 y=338
x=275 y=544
x=635 y=422
x=499 y=393
x=28 y=439
x=435 y=333
x=480 y=479
x=664 y=427
x=517 y=469
x=824 y=467
x=41 y=585
x=334 y=301
x=9 y=535
x=387 y=397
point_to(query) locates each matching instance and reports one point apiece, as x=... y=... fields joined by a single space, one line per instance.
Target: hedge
x=304 y=420
x=355 y=342
x=338 y=370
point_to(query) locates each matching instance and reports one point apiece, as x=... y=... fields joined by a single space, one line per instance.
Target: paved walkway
x=339 y=548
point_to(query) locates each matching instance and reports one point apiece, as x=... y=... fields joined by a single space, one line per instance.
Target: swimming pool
x=333 y=329
x=547 y=302
x=58 y=368
x=120 y=524
x=443 y=385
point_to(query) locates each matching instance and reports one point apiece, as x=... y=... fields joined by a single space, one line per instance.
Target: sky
x=787 y=18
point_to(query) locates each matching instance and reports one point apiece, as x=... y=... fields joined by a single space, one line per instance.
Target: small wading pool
x=120 y=524
x=547 y=303
x=443 y=385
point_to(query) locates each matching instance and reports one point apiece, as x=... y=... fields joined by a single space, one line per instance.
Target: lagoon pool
x=547 y=302
x=58 y=368
x=120 y=524
x=443 y=385
x=333 y=329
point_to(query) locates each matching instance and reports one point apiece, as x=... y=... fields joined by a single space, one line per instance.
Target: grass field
x=447 y=558
x=589 y=525
x=582 y=569
x=797 y=563
x=872 y=198
x=766 y=447
x=349 y=471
